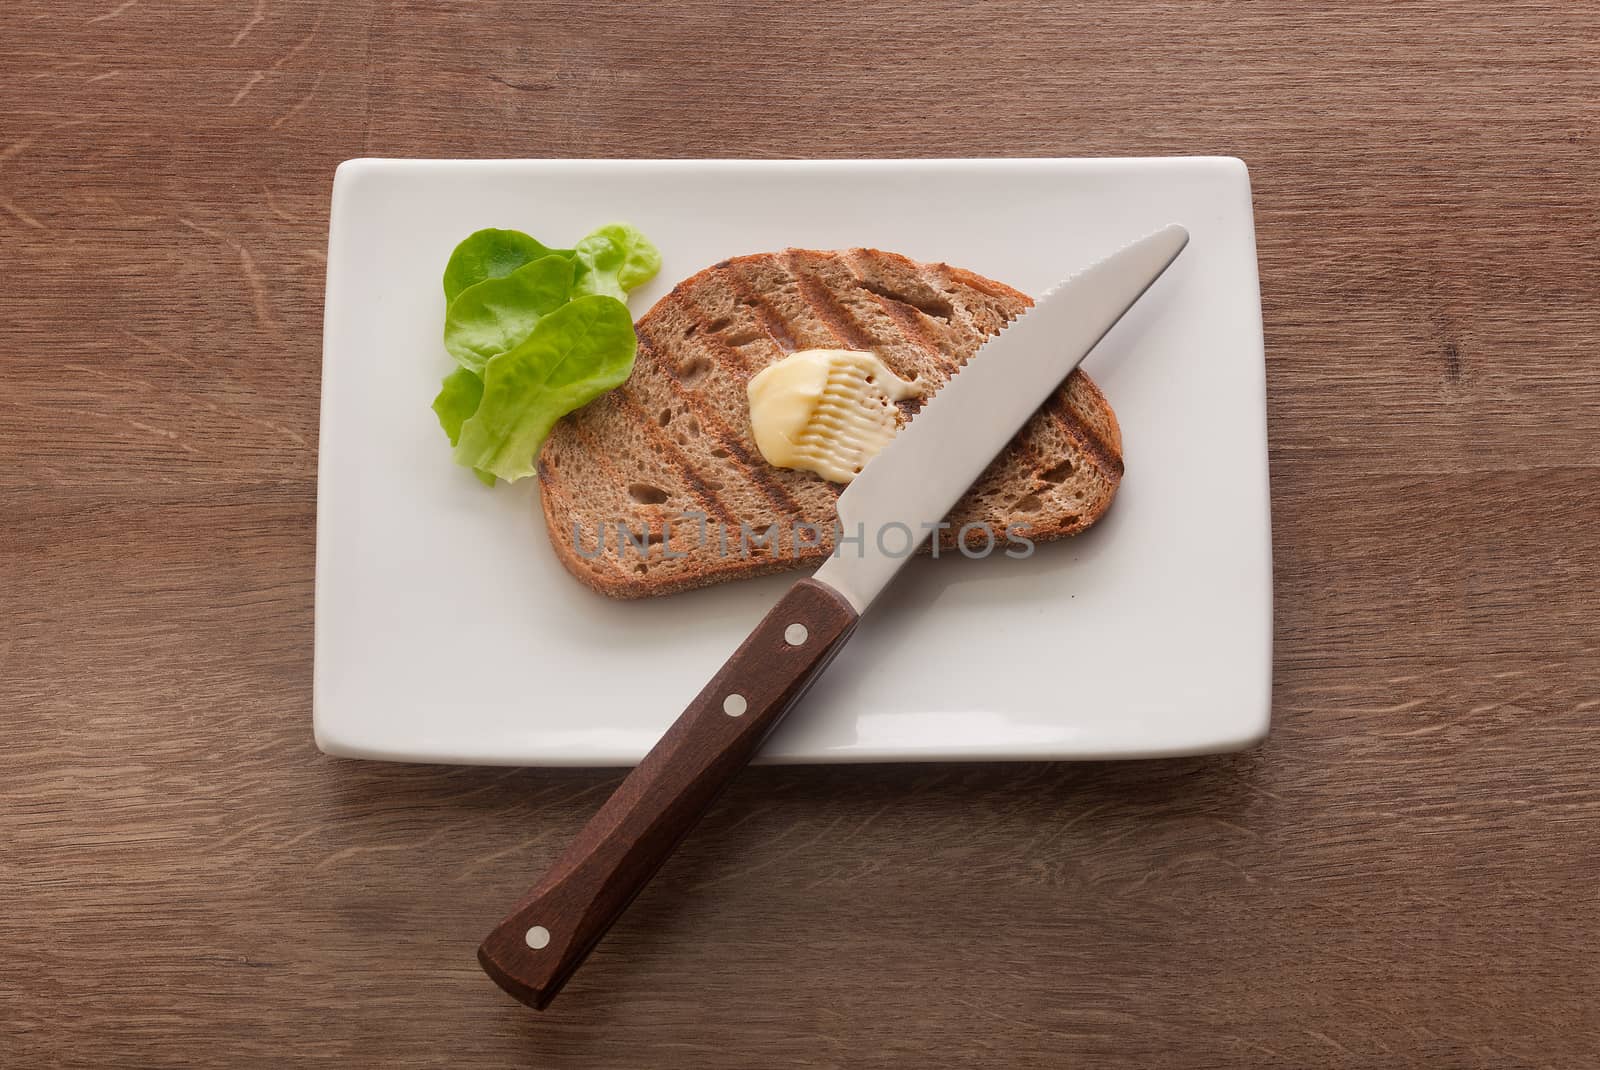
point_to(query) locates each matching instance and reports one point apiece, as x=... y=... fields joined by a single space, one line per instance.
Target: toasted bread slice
x=645 y=462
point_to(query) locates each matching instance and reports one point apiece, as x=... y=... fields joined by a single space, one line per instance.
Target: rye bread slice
x=674 y=441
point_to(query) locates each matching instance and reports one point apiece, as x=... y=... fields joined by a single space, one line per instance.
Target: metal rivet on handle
x=796 y=634
x=538 y=937
x=734 y=705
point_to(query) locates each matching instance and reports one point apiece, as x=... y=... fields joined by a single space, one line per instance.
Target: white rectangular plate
x=447 y=631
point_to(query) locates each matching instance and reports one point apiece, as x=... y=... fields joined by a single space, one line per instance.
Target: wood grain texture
x=1405 y=874
x=635 y=831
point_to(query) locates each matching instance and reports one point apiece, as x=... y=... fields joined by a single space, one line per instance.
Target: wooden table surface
x=1405 y=874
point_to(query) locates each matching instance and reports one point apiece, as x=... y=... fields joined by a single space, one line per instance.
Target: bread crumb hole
x=719 y=453
x=1059 y=474
x=641 y=568
x=693 y=370
x=718 y=325
x=647 y=493
x=1028 y=503
x=933 y=305
x=665 y=418
x=694 y=425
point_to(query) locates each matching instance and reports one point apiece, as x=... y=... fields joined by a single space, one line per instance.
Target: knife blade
x=910 y=484
x=920 y=474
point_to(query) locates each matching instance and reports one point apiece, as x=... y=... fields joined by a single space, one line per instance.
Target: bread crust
x=675 y=439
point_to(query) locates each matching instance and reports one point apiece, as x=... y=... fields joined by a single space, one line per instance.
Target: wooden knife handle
x=551 y=931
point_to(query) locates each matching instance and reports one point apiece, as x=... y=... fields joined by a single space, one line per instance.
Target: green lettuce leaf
x=491 y=254
x=457 y=401
x=573 y=355
x=492 y=316
x=613 y=260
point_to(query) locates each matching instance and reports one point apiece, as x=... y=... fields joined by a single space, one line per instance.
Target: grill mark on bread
x=708 y=347
x=783 y=336
x=755 y=468
x=905 y=317
x=705 y=344
x=1105 y=446
x=913 y=328
x=823 y=305
x=1105 y=459
x=1092 y=400
x=709 y=344
x=755 y=472
x=777 y=329
x=927 y=292
x=665 y=445
x=910 y=319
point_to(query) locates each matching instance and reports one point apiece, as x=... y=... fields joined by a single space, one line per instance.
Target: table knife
x=908 y=487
